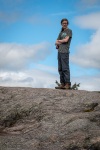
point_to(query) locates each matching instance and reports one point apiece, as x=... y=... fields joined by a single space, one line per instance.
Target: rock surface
x=49 y=119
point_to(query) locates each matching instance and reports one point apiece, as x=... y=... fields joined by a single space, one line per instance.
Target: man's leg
x=62 y=81
x=66 y=69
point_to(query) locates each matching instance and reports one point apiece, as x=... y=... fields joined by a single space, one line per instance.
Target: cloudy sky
x=28 y=30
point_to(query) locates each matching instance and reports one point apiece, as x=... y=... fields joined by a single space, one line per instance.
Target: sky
x=28 y=31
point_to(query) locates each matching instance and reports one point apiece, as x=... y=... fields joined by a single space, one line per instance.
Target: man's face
x=64 y=24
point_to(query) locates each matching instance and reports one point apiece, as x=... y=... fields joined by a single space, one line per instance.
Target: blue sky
x=28 y=30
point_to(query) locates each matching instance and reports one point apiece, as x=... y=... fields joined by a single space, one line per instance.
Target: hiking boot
x=61 y=86
x=67 y=86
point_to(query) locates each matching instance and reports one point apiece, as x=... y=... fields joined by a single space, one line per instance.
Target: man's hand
x=57 y=42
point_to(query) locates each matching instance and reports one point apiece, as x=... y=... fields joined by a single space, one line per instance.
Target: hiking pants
x=63 y=67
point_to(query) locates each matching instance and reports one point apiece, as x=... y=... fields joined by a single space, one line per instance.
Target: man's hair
x=64 y=19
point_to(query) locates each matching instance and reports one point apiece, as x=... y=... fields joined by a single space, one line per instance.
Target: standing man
x=63 y=44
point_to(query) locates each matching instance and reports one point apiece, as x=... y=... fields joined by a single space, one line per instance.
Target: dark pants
x=63 y=67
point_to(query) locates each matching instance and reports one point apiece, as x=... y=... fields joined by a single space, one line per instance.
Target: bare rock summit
x=49 y=119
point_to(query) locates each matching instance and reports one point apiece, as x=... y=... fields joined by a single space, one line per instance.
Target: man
x=63 y=44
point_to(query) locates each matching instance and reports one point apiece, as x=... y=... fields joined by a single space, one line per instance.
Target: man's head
x=64 y=23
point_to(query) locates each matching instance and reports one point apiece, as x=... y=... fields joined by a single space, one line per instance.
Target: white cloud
x=88 y=55
x=38 y=19
x=89 y=83
x=11 y=2
x=89 y=21
x=41 y=79
x=28 y=78
x=44 y=68
x=9 y=17
x=16 y=56
x=11 y=11
x=88 y=4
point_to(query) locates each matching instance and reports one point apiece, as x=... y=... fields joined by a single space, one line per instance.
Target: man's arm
x=57 y=42
x=63 y=40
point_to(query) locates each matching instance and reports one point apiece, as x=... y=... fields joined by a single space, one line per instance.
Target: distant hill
x=49 y=119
